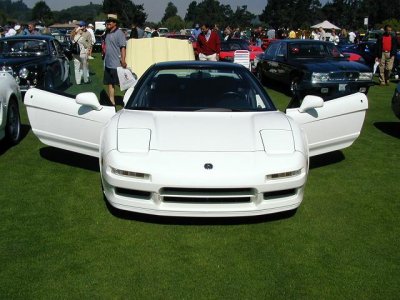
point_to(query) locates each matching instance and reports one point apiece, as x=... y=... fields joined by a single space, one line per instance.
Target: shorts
x=110 y=76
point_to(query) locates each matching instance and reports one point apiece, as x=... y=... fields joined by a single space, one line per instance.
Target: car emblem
x=208 y=166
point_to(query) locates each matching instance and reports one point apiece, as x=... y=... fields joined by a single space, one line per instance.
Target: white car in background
x=198 y=139
x=10 y=101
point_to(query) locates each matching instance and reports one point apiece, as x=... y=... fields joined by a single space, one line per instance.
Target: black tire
x=13 y=125
x=48 y=81
x=260 y=76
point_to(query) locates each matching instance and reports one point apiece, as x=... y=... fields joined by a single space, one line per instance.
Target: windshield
x=195 y=89
x=313 y=50
x=234 y=45
x=15 y=48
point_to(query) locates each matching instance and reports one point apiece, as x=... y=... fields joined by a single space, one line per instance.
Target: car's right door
x=335 y=125
x=61 y=122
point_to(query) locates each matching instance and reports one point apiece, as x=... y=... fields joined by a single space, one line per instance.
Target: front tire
x=13 y=125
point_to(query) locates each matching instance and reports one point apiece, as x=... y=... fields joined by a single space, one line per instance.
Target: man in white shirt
x=90 y=30
x=352 y=36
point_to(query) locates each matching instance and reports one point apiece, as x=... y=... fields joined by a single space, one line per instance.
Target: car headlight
x=23 y=73
x=283 y=174
x=134 y=140
x=365 y=76
x=319 y=77
x=126 y=173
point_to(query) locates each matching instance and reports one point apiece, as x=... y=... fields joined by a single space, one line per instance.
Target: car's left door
x=61 y=122
x=332 y=125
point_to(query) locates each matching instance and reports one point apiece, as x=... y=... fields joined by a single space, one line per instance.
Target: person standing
x=334 y=38
x=32 y=30
x=208 y=44
x=115 y=54
x=90 y=28
x=81 y=36
x=386 y=52
x=322 y=35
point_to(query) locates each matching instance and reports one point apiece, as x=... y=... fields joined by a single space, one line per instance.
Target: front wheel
x=13 y=125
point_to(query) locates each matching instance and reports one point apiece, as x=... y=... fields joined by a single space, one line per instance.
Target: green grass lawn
x=58 y=238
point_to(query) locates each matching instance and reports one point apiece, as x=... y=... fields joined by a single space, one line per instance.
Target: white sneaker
x=90 y=57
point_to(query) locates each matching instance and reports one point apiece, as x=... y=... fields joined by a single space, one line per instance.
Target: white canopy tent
x=325 y=25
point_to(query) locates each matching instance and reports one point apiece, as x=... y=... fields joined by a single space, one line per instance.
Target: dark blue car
x=35 y=61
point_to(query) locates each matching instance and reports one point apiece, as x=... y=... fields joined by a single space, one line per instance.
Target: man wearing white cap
x=18 y=30
x=10 y=32
x=90 y=30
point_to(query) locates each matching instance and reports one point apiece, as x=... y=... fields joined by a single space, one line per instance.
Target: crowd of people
x=208 y=40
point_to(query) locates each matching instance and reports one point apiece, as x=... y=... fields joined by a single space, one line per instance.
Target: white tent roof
x=325 y=25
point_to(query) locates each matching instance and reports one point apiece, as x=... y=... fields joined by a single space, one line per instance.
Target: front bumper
x=179 y=185
x=332 y=90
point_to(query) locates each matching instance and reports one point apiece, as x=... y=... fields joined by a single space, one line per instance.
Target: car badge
x=208 y=166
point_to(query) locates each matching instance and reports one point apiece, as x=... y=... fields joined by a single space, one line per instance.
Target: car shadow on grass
x=5 y=146
x=70 y=158
x=389 y=128
x=326 y=159
x=164 y=220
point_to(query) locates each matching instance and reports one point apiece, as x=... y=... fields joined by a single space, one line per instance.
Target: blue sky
x=156 y=8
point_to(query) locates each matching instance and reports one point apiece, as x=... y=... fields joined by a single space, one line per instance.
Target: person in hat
x=90 y=29
x=115 y=54
x=147 y=32
x=81 y=36
x=18 y=30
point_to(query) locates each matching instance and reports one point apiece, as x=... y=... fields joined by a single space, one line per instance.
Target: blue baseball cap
x=82 y=23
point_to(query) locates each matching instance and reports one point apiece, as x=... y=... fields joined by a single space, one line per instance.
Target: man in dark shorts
x=115 y=56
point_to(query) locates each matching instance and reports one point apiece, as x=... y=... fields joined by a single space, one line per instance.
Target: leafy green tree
x=42 y=13
x=170 y=11
x=191 y=13
x=127 y=12
x=241 y=17
x=174 y=23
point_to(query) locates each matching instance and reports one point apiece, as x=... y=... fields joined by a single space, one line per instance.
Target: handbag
x=75 y=48
x=126 y=78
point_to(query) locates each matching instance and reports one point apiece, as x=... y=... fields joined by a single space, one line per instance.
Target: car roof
x=196 y=64
x=28 y=37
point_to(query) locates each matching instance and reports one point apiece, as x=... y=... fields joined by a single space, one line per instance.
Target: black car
x=313 y=67
x=35 y=61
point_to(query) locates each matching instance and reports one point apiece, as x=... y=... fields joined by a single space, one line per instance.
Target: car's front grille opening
x=133 y=193
x=207 y=196
x=206 y=200
x=279 y=194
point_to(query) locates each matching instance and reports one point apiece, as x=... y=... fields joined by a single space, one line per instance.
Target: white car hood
x=204 y=131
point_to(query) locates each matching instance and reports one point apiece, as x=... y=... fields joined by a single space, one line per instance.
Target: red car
x=229 y=47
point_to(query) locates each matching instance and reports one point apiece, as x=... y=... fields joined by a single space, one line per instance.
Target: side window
x=271 y=50
x=53 y=50
x=58 y=47
x=282 y=52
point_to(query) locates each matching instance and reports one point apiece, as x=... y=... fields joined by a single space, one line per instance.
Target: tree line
x=293 y=14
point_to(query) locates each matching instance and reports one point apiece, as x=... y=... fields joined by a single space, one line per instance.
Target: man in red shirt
x=386 y=51
x=208 y=44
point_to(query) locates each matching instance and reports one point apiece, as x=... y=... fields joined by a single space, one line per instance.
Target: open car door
x=67 y=123
x=330 y=125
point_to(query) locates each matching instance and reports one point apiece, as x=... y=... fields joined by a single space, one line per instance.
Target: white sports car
x=10 y=101
x=198 y=139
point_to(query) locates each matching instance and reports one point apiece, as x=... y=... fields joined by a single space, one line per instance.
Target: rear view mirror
x=310 y=102
x=88 y=99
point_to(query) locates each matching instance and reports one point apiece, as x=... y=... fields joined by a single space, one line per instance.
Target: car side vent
x=279 y=194
x=133 y=193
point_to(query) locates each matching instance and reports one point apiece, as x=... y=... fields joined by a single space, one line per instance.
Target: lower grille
x=207 y=196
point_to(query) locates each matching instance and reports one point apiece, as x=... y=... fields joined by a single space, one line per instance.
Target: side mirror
x=310 y=102
x=88 y=99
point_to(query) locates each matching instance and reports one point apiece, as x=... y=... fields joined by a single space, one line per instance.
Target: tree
x=126 y=11
x=174 y=23
x=170 y=11
x=241 y=17
x=42 y=13
x=191 y=13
